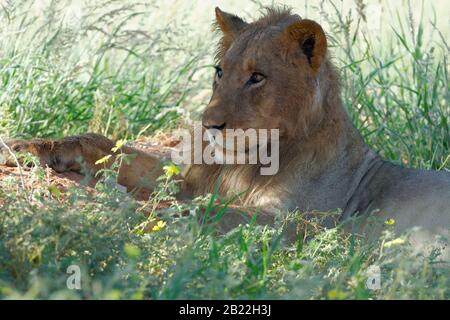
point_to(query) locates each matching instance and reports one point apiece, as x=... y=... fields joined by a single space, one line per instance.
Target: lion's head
x=271 y=74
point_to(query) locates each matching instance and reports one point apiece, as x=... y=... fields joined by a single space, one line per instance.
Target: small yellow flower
x=119 y=144
x=389 y=222
x=103 y=160
x=336 y=295
x=394 y=242
x=159 y=226
x=171 y=170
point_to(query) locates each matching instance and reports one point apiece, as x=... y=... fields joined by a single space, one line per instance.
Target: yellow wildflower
x=159 y=226
x=389 y=222
x=119 y=144
x=394 y=242
x=171 y=170
x=103 y=160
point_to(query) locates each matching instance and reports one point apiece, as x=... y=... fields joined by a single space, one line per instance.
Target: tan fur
x=324 y=163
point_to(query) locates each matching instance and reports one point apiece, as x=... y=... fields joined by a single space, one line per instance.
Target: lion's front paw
x=7 y=150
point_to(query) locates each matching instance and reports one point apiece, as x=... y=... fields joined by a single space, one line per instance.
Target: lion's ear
x=311 y=38
x=229 y=23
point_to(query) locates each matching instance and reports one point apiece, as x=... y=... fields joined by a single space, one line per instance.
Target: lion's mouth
x=247 y=149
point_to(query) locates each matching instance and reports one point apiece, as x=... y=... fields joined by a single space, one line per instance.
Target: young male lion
x=276 y=73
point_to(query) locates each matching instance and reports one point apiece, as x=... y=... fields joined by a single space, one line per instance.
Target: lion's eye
x=255 y=78
x=219 y=72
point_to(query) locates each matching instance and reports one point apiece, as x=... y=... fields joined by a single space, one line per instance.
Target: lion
x=276 y=72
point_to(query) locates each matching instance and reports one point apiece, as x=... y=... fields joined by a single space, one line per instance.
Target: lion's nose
x=212 y=119
x=218 y=127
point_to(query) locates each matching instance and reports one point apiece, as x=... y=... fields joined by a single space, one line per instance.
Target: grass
x=99 y=74
x=115 y=68
x=101 y=233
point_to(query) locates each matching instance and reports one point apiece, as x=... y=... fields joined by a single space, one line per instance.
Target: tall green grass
x=395 y=86
x=115 y=69
x=101 y=71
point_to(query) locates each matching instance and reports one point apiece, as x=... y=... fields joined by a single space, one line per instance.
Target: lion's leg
x=72 y=153
x=63 y=155
x=142 y=170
